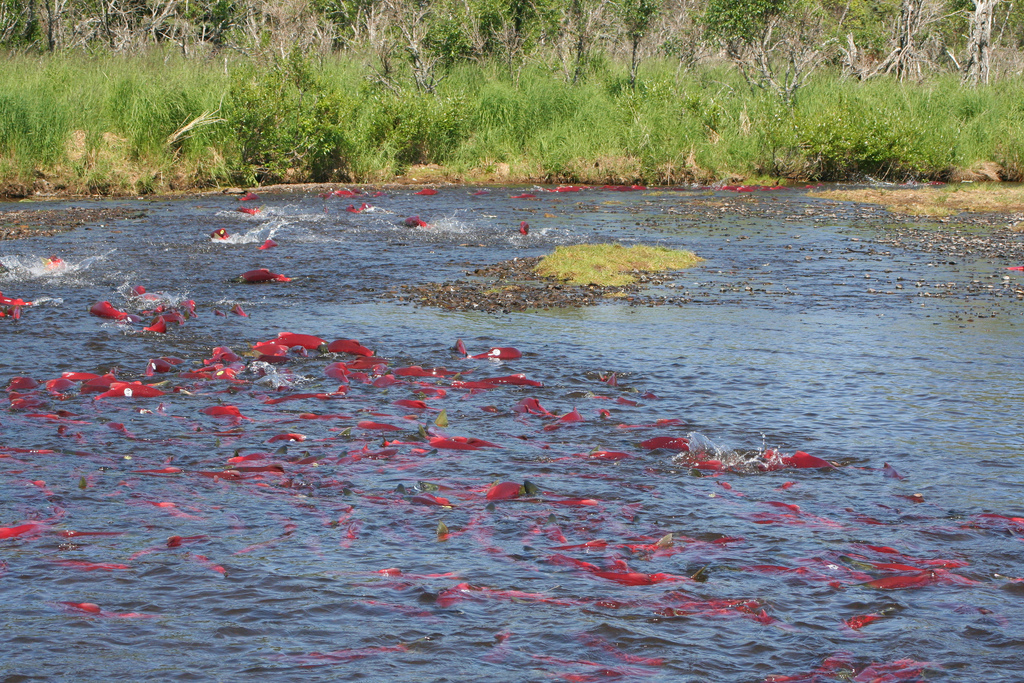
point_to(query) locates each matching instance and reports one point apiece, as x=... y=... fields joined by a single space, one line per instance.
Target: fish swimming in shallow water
x=414 y=222
x=11 y=307
x=104 y=309
x=263 y=275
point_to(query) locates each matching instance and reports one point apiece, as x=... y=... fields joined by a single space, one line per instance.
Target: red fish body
x=221 y=411
x=671 y=443
x=90 y=607
x=516 y=380
x=605 y=455
x=263 y=275
x=59 y=386
x=890 y=471
x=222 y=354
x=530 y=406
x=412 y=404
x=306 y=341
x=91 y=566
x=460 y=384
x=588 y=545
x=130 y=390
x=288 y=436
x=348 y=346
x=20 y=530
x=461 y=443
x=414 y=222
x=638 y=578
x=898 y=582
x=97 y=385
x=803 y=460
x=506 y=490
x=427 y=191
x=22 y=384
x=159 y=326
x=161 y=365
x=103 y=309
x=500 y=353
x=859 y=622
x=11 y=307
x=430 y=499
x=338 y=371
x=378 y=426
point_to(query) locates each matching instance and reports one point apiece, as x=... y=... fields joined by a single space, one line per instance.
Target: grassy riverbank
x=158 y=123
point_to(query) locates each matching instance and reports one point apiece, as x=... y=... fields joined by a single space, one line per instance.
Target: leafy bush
x=289 y=124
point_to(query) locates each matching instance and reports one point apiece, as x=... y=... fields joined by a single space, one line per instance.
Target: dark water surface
x=802 y=334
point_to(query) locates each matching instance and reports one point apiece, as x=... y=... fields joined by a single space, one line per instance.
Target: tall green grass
x=104 y=123
x=119 y=124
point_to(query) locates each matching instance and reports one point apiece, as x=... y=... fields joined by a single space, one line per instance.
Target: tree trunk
x=906 y=30
x=51 y=39
x=634 y=61
x=979 y=43
x=31 y=23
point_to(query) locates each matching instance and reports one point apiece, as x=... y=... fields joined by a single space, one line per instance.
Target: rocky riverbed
x=22 y=223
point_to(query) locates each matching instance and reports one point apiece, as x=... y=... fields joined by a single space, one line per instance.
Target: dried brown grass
x=936 y=201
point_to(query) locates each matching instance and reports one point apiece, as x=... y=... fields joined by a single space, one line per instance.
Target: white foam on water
x=269 y=376
x=151 y=299
x=18 y=268
x=703 y=448
x=258 y=234
x=450 y=225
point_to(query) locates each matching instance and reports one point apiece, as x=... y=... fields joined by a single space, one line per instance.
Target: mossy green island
x=611 y=265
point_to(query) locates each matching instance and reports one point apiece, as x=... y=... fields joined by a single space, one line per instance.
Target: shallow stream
x=142 y=546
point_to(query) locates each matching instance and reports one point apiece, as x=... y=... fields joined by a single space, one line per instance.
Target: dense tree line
x=775 y=43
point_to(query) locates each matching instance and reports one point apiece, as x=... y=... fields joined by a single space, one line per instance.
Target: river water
x=141 y=546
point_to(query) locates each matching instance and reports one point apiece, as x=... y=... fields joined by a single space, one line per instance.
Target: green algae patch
x=611 y=265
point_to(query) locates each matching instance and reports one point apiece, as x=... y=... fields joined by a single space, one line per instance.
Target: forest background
x=142 y=96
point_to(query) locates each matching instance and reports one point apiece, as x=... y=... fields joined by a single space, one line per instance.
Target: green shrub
x=289 y=124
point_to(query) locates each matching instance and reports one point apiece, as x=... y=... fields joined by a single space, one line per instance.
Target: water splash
x=269 y=376
x=703 y=451
x=258 y=234
x=15 y=268
x=149 y=300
